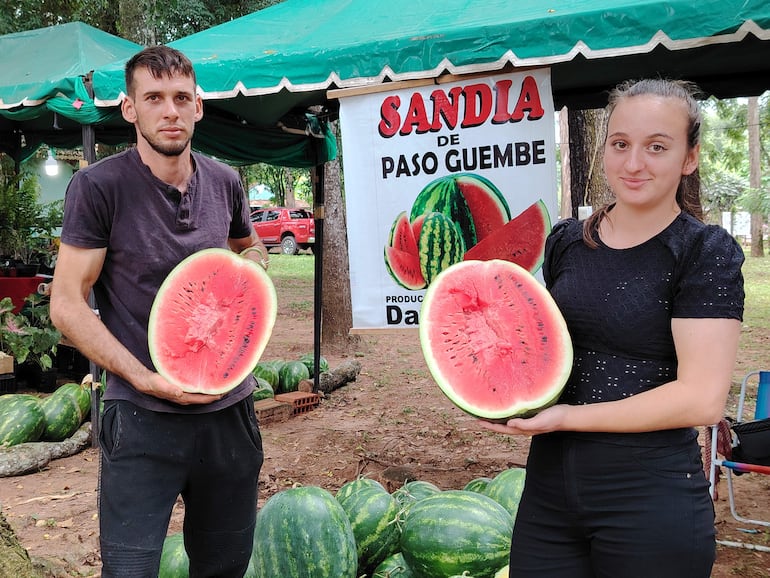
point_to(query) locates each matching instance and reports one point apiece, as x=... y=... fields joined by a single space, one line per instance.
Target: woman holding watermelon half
x=653 y=299
x=128 y=221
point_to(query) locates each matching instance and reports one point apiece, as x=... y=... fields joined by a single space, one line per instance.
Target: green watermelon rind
x=22 y=419
x=290 y=375
x=506 y=489
x=302 y=532
x=456 y=531
x=62 y=417
x=81 y=393
x=374 y=517
x=560 y=372
x=213 y=384
x=174 y=562
x=393 y=567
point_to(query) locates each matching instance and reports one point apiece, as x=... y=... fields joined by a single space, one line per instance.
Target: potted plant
x=26 y=225
x=31 y=339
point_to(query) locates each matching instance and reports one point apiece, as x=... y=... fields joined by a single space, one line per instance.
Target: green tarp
x=43 y=95
x=291 y=53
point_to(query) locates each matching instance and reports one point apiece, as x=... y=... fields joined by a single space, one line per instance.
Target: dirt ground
x=391 y=422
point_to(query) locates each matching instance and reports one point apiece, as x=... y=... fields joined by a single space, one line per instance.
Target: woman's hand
x=548 y=420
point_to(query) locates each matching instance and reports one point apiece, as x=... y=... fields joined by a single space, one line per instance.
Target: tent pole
x=318 y=214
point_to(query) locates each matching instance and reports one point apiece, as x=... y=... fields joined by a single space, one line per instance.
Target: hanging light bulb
x=51 y=166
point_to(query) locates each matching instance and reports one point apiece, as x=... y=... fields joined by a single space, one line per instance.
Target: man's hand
x=157 y=386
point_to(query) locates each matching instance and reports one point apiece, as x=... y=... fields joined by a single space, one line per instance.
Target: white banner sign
x=439 y=173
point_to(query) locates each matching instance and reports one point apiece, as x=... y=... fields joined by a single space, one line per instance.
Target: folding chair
x=748 y=448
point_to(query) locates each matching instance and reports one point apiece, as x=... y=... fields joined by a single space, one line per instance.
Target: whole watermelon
x=62 y=417
x=81 y=393
x=291 y=374
x=309 y=360
x=303 y=532
x=349 y=488
x=374 y=517
x=267 y=371
x=506 y=489
x=414 y=491
x=174 y=562
x=477 y=485
x=456 y=531
x=393 y=567
x=21 y=419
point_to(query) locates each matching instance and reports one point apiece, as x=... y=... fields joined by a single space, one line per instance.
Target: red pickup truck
x=289 y=229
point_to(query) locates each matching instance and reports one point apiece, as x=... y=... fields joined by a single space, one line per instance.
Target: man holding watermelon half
x=653 y=299
x=128 y=221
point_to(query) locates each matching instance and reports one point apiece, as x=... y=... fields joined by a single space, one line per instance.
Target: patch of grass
x=287 y=268
x=756 y=275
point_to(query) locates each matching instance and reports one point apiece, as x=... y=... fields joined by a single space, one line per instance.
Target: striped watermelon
x=290 y=375
x=506 y=488
x=304 y=532
x=373 y=515
x=62 y=417
x=349 y=488
x=393 y=567
x=174 y=562
x=269 y=372
x=443 y=196
x=470 y=200
x=21 y=419
x=440 y=245
x=263 y=391
x=456 y=531
x=414 y=491
x=81 y=393
x=477 y=485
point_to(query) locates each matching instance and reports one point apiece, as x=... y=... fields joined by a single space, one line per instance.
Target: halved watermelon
x=211 y=320
x=494 y=339
x=521 y=240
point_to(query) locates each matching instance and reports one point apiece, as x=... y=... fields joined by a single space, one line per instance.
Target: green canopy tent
x=45 y=88
x=46 y=96
x=286 y=57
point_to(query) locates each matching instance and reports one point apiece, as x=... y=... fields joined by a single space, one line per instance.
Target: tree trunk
x=755 y=176
x=566 y=195
x=336 y=307
x=14 y=559
x=291 y=200
x=588 y=186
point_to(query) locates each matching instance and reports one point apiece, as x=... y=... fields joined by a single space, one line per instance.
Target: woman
x=653 y=299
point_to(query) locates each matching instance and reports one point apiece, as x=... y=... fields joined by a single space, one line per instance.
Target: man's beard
x=172 y=149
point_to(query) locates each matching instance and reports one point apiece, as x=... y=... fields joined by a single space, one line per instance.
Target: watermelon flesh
x=211 y=320
x=494 y=340
x=521 y=240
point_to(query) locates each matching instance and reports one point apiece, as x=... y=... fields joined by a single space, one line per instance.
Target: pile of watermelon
x=418 y=531
x=462 y=217
x=29 y=418
x=284 y=376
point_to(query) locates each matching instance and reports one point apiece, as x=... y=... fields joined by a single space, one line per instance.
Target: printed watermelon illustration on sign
x=483 y=230
x=211 y=320
x=494 y=340
x=521 y=240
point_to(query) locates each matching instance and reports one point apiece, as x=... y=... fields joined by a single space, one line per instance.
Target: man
x=128 y=220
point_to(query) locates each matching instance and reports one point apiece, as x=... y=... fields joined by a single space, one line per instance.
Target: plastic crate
x=301 y=402
x=7 y=383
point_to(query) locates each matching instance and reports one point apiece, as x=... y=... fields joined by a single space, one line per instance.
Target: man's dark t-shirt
x=148 y=227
